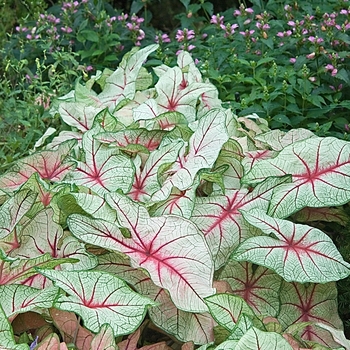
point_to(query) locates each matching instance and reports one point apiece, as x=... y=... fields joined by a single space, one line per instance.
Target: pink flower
x=237 y=13
x=292 y=60
x=217 y=19
x=164 y=38
x=315 y=39
x=332 y=69
x=183 y=35
x=311 y=55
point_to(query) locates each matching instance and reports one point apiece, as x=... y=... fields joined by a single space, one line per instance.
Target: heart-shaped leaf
x=100 y=298
x=17 y=298
x=317 y=181
x=103 y=170
x=50 y=165
x=299 y=253
x=170 y=248
x=310 y=302
x=259 y=287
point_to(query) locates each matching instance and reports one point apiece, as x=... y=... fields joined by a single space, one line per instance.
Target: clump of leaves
x=162 y=220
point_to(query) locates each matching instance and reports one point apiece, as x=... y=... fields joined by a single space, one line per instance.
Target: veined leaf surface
x=170 y=248
x=317 y=181
x=50 y=165
x=13 y=210
x=17 y=298
x=103 y=169
x=259 y=287
x=310 y=302
x=100 y=298
x=298 y=253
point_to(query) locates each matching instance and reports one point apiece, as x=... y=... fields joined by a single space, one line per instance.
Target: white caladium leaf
x=39 y=236
x=278 y=139
x=219 y=217
x=78 y=114
x=146 y=181
x=7 y=339
x=179 y=203
x=74 y=249
x=50 y=165
x=317 y=181
x=149 y=139
x=259 y=287
x=185 y=326
x=231 y=154
x=310 y=303
x=41 y=188
x=13 y=210
x=22 y=270
x=227 y=309
x=146 y=110
x=299 y=253
x=255 y=339
x=176 y=94
x=104 y=340
x=17 y=298
x=170 y=248
x=121 y=84
x=86 y=204
x=103 y=169
x=204 y=147
x=64 y=136
x=100 y=298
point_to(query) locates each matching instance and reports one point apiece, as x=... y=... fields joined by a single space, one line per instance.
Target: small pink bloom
x=293 y=60
x=291 y=23
x=237 y=13
x=311 y=55
x=249 y=10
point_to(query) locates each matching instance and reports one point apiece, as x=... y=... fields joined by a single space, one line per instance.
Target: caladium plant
x=161 y=212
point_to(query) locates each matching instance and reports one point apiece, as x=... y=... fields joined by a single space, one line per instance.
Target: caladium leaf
x=278 y=139
x=104 y=340
x=39 y=236
x=121 y=84
x=175 y=94
x=103 y=169
x=310 y=302
x=179 y=203
x=13 y=210
x=146 y=182
x=21 y=270
x=227 y=308
x=170 y=248
x=6 y=334
x=17 y=298
x=299 y=253
x=317 y=181
x=337 y=215
x=204 y=147
x=219 y=217
x=78 y=114
x=256 y=339
x=231 y=154
x=185 y=326
x=100 y=298
x=259 y=287
x=149 y=139
x=50 y=165
x=86 y=204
